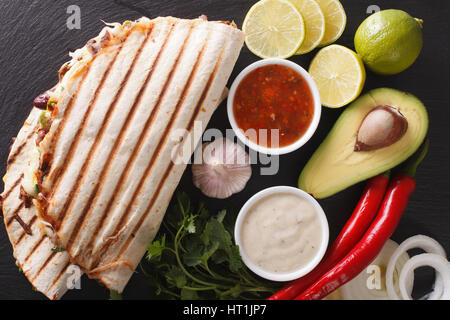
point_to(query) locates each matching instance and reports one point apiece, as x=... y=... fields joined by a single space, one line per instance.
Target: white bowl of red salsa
x=274 y=106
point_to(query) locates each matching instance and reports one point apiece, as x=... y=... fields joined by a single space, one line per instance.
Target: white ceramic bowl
x=304 y=269
x=317 y=107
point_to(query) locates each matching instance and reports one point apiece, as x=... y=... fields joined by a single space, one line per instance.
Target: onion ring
x=423 y=242
x=357 y=288
x=438 y=262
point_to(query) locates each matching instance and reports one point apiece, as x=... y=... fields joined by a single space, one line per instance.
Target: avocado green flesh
x=335 y=165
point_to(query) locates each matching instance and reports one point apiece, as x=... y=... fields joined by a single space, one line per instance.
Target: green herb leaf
x=219 y=234
x=156 y=248
x=235 y=259
x=219 y=257
x=209 y=251
x=114 y=295
x=184 y=203
x=232 y=293
x=221 y=215
x=187 y=294
x=190 y=224
x=176 y=277
x=194 y=257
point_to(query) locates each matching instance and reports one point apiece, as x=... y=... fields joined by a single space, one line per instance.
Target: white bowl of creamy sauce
x=282 y=233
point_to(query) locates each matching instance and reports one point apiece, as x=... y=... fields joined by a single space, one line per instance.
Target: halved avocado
x=335 y=165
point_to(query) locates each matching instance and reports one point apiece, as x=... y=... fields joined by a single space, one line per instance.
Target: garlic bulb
x=221 y=168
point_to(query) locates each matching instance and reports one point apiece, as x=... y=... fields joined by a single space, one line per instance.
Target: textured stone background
x=35 y=41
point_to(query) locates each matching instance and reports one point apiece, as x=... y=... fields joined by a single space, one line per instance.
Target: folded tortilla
x=47 y=268
x=126 y=108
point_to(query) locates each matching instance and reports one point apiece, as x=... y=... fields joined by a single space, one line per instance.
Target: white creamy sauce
x=281 y=233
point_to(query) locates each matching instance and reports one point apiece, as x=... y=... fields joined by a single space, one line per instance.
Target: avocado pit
x=381 y=127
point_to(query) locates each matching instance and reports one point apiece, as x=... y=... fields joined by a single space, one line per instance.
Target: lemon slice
x=339 y=74
x=274 y=29
x=314 y=24
x=335 y=20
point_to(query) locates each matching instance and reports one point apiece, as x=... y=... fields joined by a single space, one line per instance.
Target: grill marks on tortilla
x=17 y=151
x=144 y=134
x=67 y=206
x=15 y=213
x=99 y=136
x=60 y=274
x=142 y=216
x=46 y=263
x=28 y=246
x=41 y=245
x=42 y=267
x=148 y=124
x=15 y=216
x=11 y=160
x=14 y=186
x=34 y=269
x=35 y=247
x=55 y=137
x=30 y=225
x=75 y=141
x=171 y=164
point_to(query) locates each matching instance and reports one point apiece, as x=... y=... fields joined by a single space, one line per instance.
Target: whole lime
x=389 y=41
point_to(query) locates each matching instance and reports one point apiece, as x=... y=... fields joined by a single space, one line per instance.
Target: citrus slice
x=274 y=29
x=339 y=74
x=314 y=24
x=335 y=20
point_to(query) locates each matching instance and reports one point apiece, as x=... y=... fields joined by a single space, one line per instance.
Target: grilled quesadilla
x=104 y=163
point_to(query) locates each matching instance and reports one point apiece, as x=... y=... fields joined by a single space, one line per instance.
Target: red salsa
x=273 y=97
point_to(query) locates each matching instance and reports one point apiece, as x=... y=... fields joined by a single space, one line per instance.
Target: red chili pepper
x=352 y=232
x=368 y=248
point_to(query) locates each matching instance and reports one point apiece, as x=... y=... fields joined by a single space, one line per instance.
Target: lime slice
x=274 y=29
x=335 y=20
x=314 y=24
x=339 y=74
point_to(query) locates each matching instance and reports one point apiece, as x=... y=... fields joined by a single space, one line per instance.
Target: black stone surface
x=35 y=41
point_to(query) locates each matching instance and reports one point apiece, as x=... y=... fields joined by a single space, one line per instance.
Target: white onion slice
x=425 y=243
x=358 y=289
x=438 y=262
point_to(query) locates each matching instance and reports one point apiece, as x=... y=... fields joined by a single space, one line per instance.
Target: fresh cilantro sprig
x=114 y=295
x=194 y=257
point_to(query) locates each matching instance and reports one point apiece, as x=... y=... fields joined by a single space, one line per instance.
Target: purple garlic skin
x=222 y=169
x=380 y=128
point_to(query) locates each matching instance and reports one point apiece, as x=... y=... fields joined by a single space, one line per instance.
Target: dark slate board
x=35 y=43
